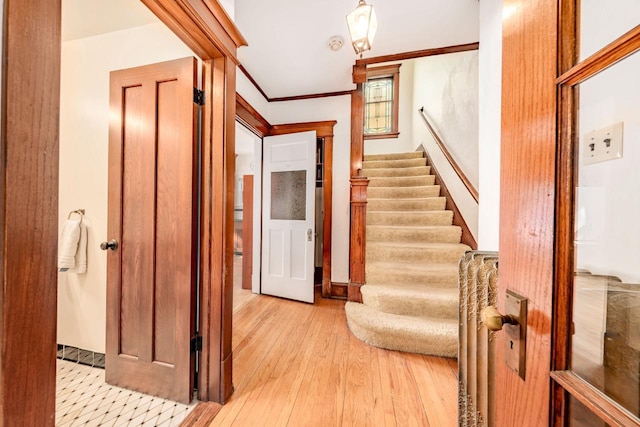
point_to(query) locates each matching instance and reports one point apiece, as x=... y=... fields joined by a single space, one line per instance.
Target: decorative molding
x=253 y=81
x=290 y=98
x=418 y=54
x=311 y=96
x=250 y=118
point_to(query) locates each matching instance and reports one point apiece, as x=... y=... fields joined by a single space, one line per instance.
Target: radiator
x=477 y=347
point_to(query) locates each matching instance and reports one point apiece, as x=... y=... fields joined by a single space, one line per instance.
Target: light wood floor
x=297 y=364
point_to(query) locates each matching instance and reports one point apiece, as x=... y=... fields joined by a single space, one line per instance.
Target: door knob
x=111 y=244
x=493 y=320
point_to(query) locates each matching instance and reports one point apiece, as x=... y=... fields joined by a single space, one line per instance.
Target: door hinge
x=198 y=96
x=196 y=343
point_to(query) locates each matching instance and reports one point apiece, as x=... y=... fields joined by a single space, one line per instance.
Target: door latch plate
x=515 y=338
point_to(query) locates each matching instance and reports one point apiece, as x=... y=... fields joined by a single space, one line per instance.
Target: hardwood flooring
x=297 y=364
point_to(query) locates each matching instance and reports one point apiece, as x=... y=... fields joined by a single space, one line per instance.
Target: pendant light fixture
x=362 y=24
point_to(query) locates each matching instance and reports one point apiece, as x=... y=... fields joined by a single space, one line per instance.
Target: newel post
x=358 y=237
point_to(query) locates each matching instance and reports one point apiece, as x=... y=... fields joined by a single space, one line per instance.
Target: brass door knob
x=493 y=320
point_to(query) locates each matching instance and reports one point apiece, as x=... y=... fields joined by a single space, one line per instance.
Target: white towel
x=68 y=244
x=81 y=253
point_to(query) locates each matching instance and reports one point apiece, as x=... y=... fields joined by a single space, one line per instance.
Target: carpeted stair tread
x=436 y=253
x=408 y=204
x=436 y=337
x=412 y=300
x=409 y=218
x=430 y=233
x=394 y=156
x=412 y=171
x=443 y=275
x=398 y=163
x=403 y=192
x=402 y=181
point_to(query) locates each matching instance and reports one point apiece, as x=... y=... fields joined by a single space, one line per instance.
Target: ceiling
x=288 y=51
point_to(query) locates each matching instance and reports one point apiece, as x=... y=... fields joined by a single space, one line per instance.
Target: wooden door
x=539 y=157
x=151 y=274
x=289 y=183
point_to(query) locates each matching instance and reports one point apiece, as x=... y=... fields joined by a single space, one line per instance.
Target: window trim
x=392 y=71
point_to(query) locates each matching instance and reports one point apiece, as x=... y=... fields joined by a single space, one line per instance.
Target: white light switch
x=603 y=144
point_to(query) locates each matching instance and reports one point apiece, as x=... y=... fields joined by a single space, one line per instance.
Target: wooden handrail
x=472 y=190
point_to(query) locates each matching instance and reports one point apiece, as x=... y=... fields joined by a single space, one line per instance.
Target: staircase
x=410 y=299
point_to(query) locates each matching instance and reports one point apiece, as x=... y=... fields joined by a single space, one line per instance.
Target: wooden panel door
x=151 y=274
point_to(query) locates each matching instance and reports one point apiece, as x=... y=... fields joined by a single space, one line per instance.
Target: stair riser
x=431 y=204
x=413 y=171
x=403 y=181
x=441 y=308
x=410 y=219
x=440 y=340
x=441 y=280
x=419 y=255
x=450 y=234
x=393 y=156
x=403 y=193
x=403 y=163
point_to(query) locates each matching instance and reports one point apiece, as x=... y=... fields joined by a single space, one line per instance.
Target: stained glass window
x=381 y=102
x=378 y=105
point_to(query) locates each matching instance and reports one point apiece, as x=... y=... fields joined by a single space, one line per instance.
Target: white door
x=288 y=211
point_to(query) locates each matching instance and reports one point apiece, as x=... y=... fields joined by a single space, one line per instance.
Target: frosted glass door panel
x=289 y=195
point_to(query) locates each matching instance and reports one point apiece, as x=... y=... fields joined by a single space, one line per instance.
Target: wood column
x=29 y=211
x=357 y=246
x=357 y=119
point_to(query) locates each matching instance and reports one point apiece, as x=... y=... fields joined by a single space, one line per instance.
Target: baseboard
x=339 y=290
x=354 y=294
x=81 y=356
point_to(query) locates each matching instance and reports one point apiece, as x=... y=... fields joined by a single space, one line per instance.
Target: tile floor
x=84 y=399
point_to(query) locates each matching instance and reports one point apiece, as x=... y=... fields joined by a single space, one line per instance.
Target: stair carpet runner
x=410 y=299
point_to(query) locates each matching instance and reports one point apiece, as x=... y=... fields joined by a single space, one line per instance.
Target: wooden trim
x=465 y=180
x=626 y=45
x=29 y=211
x=565 y=205
x=596 y=401
x=310 y=96
x=339 y=290
x=393 y=72
x=418 y=54
x=358 y=241
x=324 y=129
x=247 y=231
x=357 y=129
x=467 y=238
x=202 y=415
x=250 y=118
x=382 y=135
x=202 y=25
x=252 y=80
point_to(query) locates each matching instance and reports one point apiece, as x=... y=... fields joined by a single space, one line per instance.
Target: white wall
x=447 y=87
x=489 y=123
x=84 y=123
x=607 y=226
x=602 y=22
x=334 y=108
x=404 y=142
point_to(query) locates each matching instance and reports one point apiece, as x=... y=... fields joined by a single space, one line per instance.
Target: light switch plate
x=515 y=340
x=603 y=144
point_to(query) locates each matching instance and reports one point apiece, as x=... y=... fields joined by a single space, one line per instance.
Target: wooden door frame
x=207 y=30
x=324 y=130
x=29 y=195
x=252 y=120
